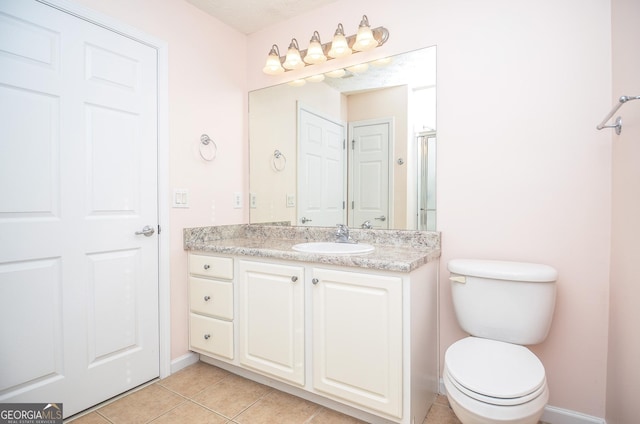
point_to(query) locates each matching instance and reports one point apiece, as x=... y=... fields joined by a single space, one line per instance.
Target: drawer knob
x=315 y=281
x=294 y=278
x=207 y=266
x=207 y=298
x=207 y=336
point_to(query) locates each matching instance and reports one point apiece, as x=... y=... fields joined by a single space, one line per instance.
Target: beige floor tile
x=194 y=379
x=441 y=400
x=278 y=407
x=441 y=414
x=141 y=406
x=328 y=416
x=231 y=395
x=90 y=418
x=190 y=413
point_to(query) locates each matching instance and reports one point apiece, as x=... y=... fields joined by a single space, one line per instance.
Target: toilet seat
x=495 y=372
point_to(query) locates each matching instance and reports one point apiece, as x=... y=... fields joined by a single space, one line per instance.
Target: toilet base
x=471 y=411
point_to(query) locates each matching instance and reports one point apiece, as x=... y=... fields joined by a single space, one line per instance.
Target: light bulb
x=364 y=38
x=338 y=73
x=315 y=54
x=293 y=59
x=273 y=65
x=339 y=45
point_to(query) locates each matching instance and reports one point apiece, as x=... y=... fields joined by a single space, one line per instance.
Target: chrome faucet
x=342 y=234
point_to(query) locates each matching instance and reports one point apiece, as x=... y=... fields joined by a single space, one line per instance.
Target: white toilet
x=489 y=376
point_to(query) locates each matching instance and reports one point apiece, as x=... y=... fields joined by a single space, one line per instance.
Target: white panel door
x=321 y=171
x=369 y=192
x=78 y=178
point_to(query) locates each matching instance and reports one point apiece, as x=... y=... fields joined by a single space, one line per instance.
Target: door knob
x=381 y=218
x=305 y=220
x=147 y=231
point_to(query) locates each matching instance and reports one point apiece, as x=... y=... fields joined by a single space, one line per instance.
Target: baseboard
x=555 y=415
x=184 y=361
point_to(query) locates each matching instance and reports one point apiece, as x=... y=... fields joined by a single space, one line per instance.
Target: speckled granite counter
x=395 y=250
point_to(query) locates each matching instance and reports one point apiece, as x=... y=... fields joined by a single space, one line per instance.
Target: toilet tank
x=507 y=301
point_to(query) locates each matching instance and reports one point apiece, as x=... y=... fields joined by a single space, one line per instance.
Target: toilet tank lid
x=503 y=270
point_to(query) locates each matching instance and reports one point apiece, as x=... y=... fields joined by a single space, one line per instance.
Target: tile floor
x=204 y=394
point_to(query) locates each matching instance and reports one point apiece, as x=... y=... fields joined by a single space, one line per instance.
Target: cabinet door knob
x=315 y=281
x=207 y=298
x=207 y=266
x=207 y=336
x=294 y=278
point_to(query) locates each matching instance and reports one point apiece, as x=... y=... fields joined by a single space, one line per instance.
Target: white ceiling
x=248 y=16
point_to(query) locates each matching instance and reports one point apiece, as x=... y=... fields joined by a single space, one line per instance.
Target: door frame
x=110 y=23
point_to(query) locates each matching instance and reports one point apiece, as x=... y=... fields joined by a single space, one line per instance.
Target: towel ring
x=208 y=148
x=276 y=156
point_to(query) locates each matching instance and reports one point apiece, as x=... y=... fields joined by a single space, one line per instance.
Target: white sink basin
x=330 y=248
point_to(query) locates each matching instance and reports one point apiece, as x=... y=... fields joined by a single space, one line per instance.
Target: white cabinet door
x=357 y=338
x=271 y=319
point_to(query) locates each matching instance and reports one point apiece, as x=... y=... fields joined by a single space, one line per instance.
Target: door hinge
x=343 y=205
x=159 y=229
x=353 y=204
x=353 y=144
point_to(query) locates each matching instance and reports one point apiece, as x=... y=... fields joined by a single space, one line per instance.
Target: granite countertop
x=395 y=250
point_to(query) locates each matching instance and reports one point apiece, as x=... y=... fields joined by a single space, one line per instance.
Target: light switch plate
x=291 y=200
x=180 y=198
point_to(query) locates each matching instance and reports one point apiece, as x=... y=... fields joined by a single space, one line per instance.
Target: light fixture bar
x=380 y=35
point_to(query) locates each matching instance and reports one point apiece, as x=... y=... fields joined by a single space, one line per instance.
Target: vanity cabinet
x=211 y=305
x=361 y=341
x=357 y=338
x=271 y=319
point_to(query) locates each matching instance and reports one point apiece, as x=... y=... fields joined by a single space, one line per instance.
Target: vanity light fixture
x=340 y=46
x=338 y=73
x=364 y=38
x=273 y=65
x=315 y=78
x=297 y=83
x=315 y=53
x=293 y=59
x=359 y=68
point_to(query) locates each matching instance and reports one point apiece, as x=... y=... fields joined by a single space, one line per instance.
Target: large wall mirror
x=356 y=147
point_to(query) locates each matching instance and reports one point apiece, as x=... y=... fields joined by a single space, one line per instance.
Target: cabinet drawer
x=211 y=297
x=211 y=335
x=211 y=266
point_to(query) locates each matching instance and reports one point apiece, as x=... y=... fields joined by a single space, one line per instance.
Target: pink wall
x=207 y=94
x=522 y=172
x=623 y=377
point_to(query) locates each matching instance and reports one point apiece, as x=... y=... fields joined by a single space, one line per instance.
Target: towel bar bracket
x=618 y=122
x=617 y=125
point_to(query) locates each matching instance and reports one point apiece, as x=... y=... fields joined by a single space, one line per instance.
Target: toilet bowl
x=491 y=377
x=489 y=381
